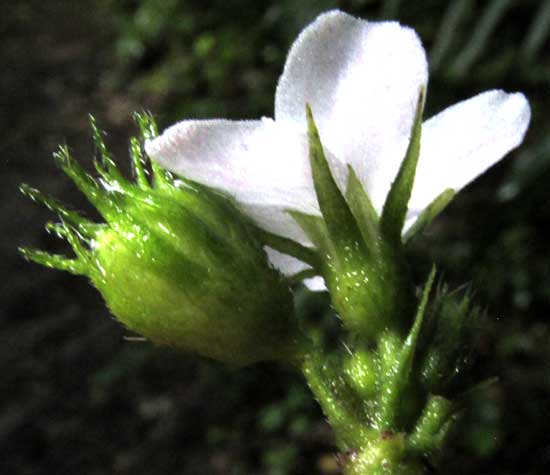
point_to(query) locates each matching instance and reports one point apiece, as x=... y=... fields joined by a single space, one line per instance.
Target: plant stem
x=387 y=455
x=368 y=451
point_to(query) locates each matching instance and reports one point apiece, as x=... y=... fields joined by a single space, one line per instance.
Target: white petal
x=316 y=284
x=276 y=220
x=362 y=81
x=290 y=266
x=464 y=140
x=286 y=264
x=258 y=162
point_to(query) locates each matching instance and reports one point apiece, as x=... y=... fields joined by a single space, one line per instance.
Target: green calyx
x=361 y=254
x=175 y=262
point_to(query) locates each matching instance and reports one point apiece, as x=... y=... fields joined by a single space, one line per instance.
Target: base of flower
x=386 y=455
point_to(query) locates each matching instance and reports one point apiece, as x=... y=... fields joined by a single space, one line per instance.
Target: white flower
x=362 y=80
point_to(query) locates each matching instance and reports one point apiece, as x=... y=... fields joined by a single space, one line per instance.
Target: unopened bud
x=176 y=263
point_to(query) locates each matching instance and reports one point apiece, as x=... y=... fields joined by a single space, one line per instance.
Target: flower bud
x=451 y=331
x=176 y=263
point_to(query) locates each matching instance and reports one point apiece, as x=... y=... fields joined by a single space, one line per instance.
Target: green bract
x=174 y=261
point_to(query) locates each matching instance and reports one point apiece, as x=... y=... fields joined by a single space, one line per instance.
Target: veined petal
x=362 y=80
x=464 y=140
x=258 y=162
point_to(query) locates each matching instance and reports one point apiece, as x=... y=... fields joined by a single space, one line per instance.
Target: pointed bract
x=340 y=222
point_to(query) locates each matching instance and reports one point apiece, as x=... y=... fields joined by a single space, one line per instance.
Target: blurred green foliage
x=143 y=410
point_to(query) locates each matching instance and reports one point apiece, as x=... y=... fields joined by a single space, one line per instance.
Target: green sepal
x=315 y=229
x=451 y=328
x=366 y=276
x=174 y=261
x=429 y=432
x=54 y=261
x=162 y=178
x=139 y=163
x=395 y=208
x=428 y=214
x=84 y=226
x=397 y=378
x=339 y=220
x=106 y=167
x=147 y=126
x=362 y=209
x=105 y=203
x=410 y=345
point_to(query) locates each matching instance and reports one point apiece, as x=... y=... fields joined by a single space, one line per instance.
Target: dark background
x=77 y=398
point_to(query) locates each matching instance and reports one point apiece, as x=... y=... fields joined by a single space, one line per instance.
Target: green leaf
x=428 y=215
x=538 y=33
x=338 y=217
x=395 y=207
x=449 y=28
x=362 y=209
x=479 y=38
